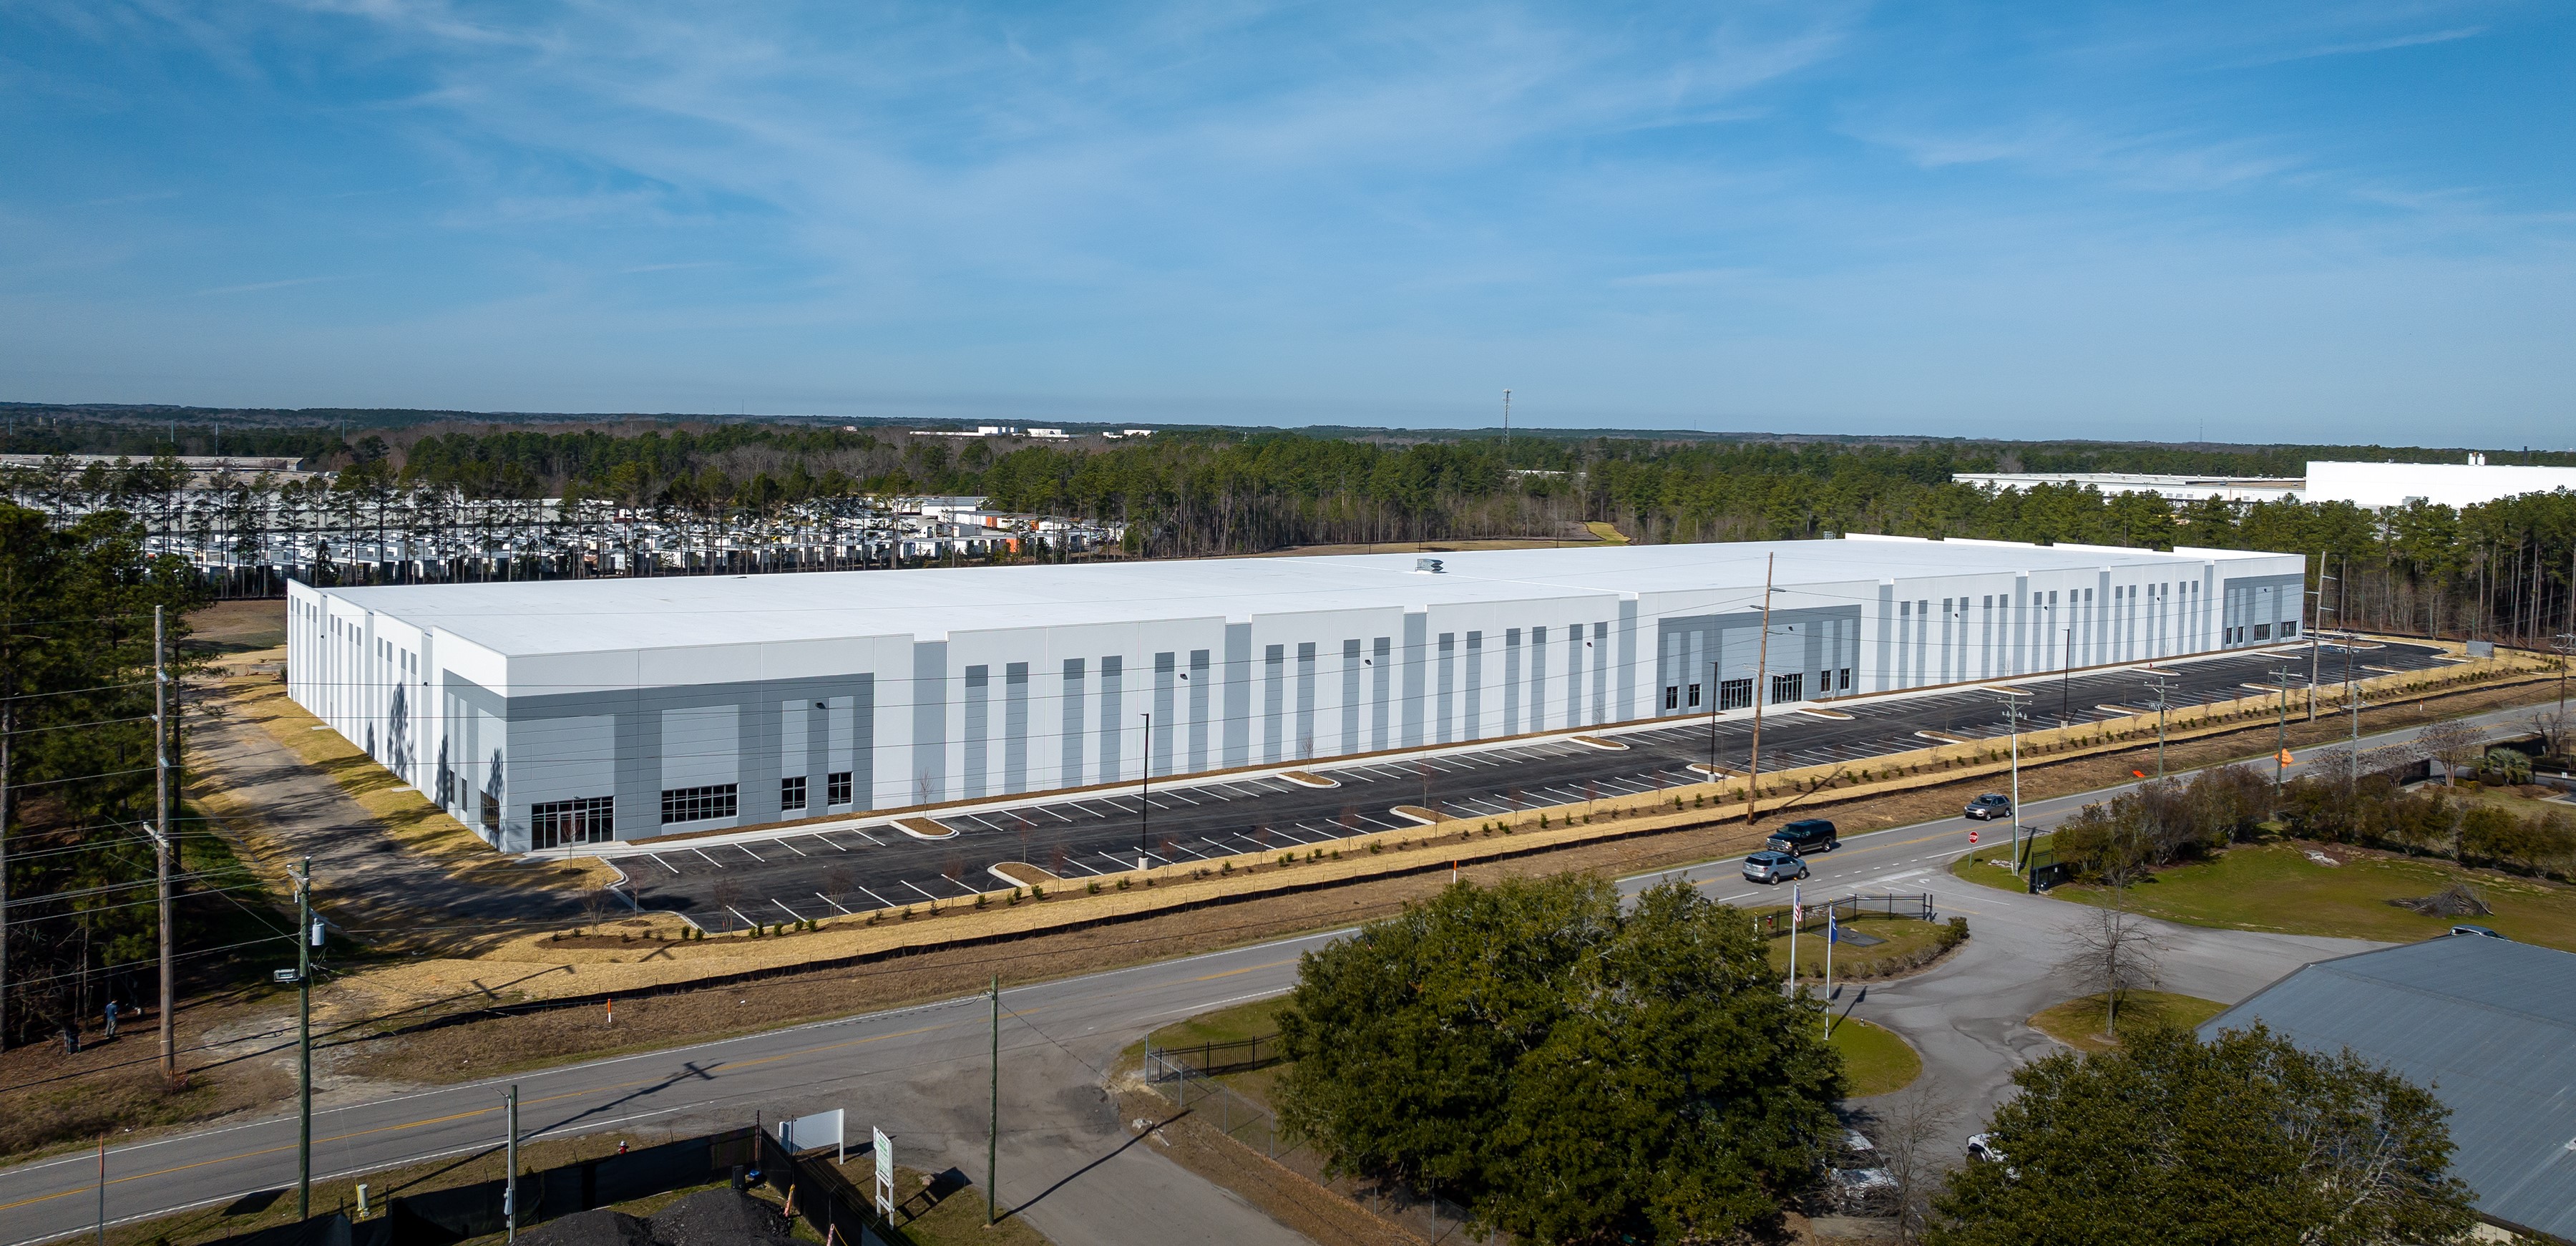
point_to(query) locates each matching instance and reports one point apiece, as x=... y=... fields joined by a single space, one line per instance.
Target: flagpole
x=1797 y=913
x=1833 y=934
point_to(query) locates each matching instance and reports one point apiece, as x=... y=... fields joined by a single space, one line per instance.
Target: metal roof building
x=2488 y=1025
x=575 y=710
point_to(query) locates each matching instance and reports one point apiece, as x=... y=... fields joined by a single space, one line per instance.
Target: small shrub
x=1374 y=848
x=1037 y=892
x=1542 y=821
x=1954 y=933
x=1123 y=884
x=981 y=899
x=1093 y=887
x=1225 y=868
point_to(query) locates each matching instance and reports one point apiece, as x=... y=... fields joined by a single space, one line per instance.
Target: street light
x=1145 y=802
x=2012 y=720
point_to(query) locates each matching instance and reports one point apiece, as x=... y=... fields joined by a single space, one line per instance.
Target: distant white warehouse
x=2373 y=486
x=568 y=711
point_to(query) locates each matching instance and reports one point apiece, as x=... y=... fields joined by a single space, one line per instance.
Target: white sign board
x=884 y=1148
x=808 y=1132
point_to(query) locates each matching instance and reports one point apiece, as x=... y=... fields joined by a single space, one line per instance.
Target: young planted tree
x=1570 y=1072
x=2243 y=1140
x=2455 y=744
x=2114 y=951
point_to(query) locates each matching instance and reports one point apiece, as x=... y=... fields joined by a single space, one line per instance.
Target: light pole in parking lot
x=1145 y=802
x=2012 y=720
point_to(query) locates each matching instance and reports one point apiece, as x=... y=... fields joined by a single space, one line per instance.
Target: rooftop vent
x=1427 y=566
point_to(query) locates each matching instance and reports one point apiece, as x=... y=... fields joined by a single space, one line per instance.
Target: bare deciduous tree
x=2551 y=725
x=2454 y=744
x=1911 y=1130
x=2115 y=952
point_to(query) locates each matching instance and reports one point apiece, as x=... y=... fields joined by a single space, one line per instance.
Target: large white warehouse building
x=566 y=711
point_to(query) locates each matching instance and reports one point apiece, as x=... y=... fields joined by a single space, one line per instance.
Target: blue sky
x=2283 y=222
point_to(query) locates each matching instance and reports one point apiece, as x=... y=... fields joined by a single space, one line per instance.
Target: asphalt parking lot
x=868 y=862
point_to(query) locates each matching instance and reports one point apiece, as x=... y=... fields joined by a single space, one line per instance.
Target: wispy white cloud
x=2363 y=46
x=254 y=287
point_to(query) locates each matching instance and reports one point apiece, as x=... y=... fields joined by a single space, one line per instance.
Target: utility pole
x=2012 y=721
x=2316 y=654
x=304 y=1041
x=993 y=1130
x=2163 y=690
x=1761 y=673
x=510 y=1166
x=1145 y=803
x=1507 y=417
x=163 y=847
x=2281 y=735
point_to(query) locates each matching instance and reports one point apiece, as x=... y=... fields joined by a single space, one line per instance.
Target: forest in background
x=2500 y=570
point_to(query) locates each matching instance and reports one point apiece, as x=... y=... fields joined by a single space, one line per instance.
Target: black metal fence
x=1242 y=1055
x=1917 y=907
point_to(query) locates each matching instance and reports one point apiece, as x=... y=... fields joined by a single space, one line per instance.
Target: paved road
x=1077 y=1174
x=829 y=870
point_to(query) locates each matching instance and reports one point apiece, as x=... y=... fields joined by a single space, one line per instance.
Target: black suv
x=1989 y=807
x=1804 y=836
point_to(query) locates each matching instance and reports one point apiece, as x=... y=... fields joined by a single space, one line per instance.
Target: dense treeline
x=2500 y=570
x=76 y=780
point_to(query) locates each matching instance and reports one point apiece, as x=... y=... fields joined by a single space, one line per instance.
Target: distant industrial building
x=552 y=712
x=2488 y=1025
x=2375 y=486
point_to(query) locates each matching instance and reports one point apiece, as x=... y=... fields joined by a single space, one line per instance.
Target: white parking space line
x=958 y=885
x=1050 y=813
x=837 y=845
x=790 y=847
x=917 y=887
x=657 y=860
x=882 y=902
x=870 y=838
x=749 y=853
x=702 y=854
x=834 y=903
x=783 y=905
x=1076 y=864
x=1194 y=855
x=1174 y=795
x=737 y=916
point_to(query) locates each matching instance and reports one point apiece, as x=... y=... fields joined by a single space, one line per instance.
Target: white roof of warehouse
x=588 y=616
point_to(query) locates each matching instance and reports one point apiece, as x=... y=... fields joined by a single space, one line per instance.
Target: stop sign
x=1972 y=837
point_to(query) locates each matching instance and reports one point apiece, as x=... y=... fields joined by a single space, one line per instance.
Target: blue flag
x=1833 y=933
